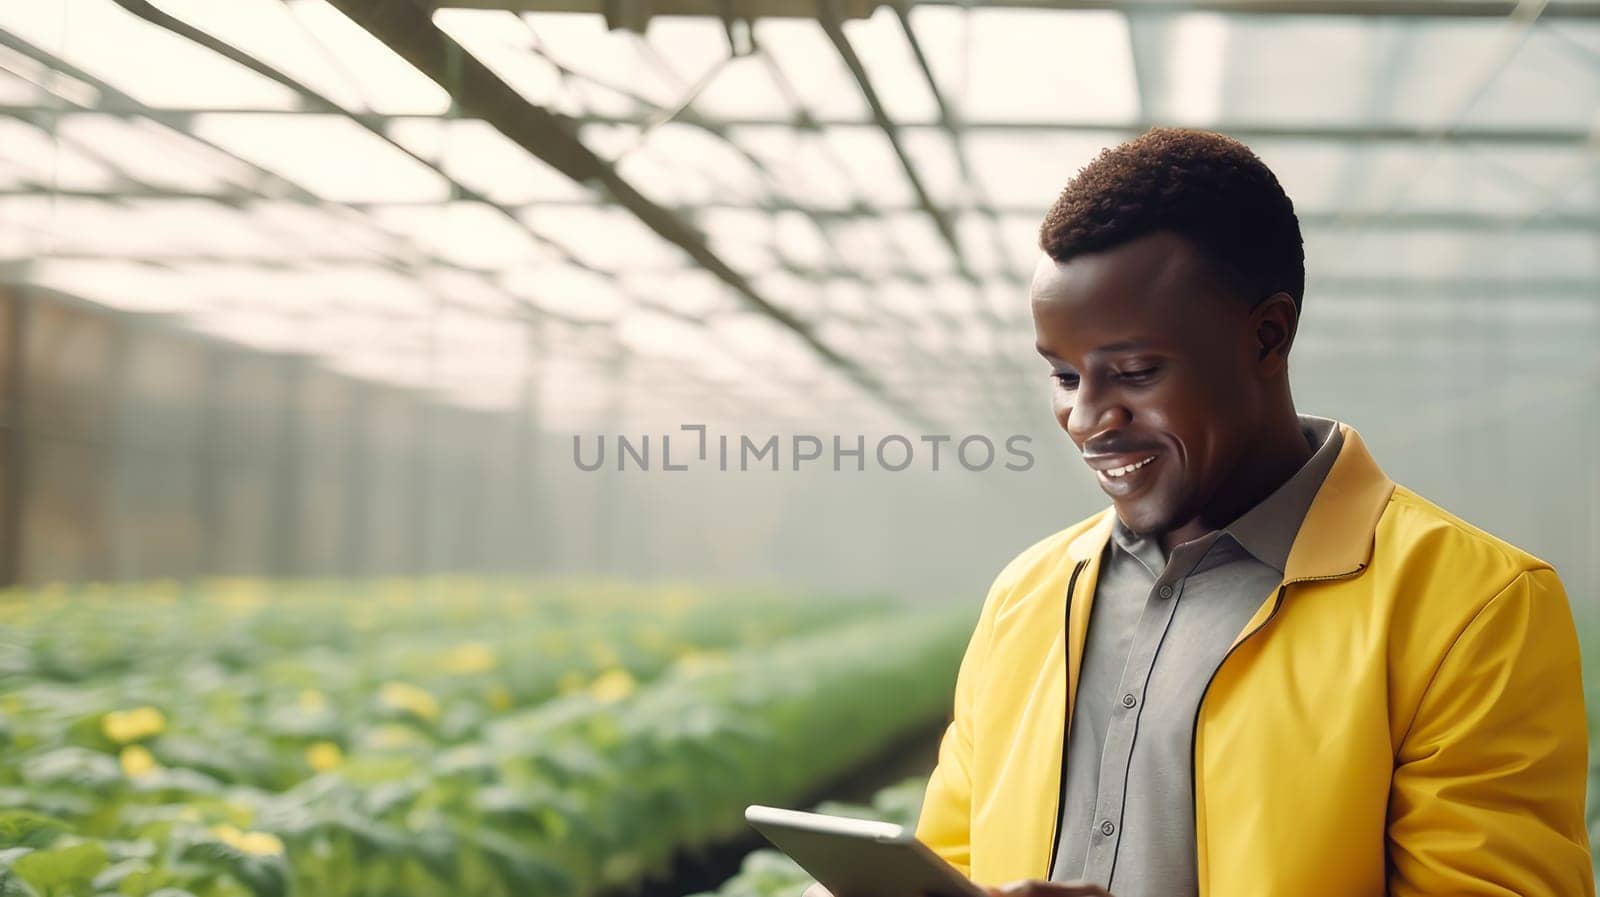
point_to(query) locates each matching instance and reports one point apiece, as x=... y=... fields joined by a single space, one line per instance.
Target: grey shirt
x=1158 y=629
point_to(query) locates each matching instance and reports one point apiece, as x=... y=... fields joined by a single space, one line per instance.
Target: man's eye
x=1138 y=376
x=1068 y=380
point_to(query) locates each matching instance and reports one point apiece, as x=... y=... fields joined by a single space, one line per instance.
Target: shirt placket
x=1117 y=754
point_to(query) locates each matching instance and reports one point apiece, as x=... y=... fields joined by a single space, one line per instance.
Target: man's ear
x=1274 y=321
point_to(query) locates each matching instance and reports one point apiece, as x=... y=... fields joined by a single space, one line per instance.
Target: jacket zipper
x=1066 y=720
x=1194 y=731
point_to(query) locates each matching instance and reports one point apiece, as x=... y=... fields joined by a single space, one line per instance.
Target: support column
x=356 y=557
x=283 y=557
x=13 y=447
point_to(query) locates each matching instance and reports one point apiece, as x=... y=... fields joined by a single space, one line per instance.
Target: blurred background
x=313 y=314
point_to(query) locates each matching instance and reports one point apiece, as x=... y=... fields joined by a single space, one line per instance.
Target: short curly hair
x=1206 y=187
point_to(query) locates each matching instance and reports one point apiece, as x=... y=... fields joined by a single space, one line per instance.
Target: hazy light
x=329 y=155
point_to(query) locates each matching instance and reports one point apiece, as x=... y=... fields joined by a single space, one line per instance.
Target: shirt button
x=1165 y=591
x=1106 y=828
x=1129 y=700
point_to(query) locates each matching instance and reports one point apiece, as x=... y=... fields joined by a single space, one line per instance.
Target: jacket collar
x=1336 y=536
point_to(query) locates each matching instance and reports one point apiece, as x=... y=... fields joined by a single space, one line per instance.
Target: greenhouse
x=479 y=447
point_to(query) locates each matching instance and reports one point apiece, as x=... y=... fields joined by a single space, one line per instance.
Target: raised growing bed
x=435 y=745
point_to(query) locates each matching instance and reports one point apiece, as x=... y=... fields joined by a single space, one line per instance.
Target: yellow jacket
x=1402 y=716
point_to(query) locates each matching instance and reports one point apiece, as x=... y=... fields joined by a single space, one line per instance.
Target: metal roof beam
x=409 y=31
x=1576 y=136
x=268 y=186
x=316 y=102
x=1416 y=9
x=773 y=203
x=1324 y=220
x=829 y=17
x=1411 y=9
x=953 y=126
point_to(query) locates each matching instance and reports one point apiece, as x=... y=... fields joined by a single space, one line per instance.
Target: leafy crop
x=459 y=737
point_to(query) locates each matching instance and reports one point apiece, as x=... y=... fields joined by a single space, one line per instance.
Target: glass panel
x=465 y=233
x=329 y=155
x=481 y=158
x=154 y=154
x=1031 y=65
x=117 y=46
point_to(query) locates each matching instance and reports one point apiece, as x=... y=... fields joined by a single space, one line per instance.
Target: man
x=1267 y=670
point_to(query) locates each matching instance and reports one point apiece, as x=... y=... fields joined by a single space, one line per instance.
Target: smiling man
x=1266 y=670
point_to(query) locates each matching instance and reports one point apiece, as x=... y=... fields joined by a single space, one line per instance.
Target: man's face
x=1154 y=375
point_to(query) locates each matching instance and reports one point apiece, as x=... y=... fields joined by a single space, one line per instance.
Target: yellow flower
x=411 y=698
x=499 y=698
x=137 y=762
x=570 y=681
x=242 y=595
x=253 y=843
x=676 y=602
x=612 y=686
x=693 y=661
x=468 y=658
x=364 y=618
x=123 y=726
x=390 y=736
x=553 y=644
x=603 y=654
x=313 y=701
x=323 y=756
x=238 y=813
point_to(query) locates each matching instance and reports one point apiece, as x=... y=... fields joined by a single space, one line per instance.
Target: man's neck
x=1269 y=464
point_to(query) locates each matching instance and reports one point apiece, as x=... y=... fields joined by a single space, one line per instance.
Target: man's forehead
x=1121 y=345
x=1158 y=281
x=1106 y=299
x=1153 y=263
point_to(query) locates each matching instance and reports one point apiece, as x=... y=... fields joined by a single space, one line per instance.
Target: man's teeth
x=1124 y=471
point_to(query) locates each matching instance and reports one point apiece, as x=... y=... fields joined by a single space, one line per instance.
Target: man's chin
x=1142 y=519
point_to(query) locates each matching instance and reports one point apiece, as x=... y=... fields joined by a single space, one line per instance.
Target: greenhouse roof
x=771 y=207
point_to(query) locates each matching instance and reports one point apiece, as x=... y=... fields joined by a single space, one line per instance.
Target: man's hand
x=1015 y=889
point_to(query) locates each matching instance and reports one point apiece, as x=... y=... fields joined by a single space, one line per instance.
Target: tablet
x=860 y=858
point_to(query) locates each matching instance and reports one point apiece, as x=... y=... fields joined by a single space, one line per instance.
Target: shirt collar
x=1268 y=529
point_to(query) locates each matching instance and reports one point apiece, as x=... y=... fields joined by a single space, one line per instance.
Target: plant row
x=216 y=683
x=220 y=782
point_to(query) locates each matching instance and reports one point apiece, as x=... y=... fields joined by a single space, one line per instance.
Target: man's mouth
x=1119 y=472
x=1120 y=475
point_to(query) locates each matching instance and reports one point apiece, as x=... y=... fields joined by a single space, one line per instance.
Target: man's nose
x=1095 y=412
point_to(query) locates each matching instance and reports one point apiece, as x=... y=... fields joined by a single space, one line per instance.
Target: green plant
x=457 y=736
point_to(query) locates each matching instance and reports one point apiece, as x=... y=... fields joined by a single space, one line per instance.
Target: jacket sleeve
x=946 y=821
x=1488 y=789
